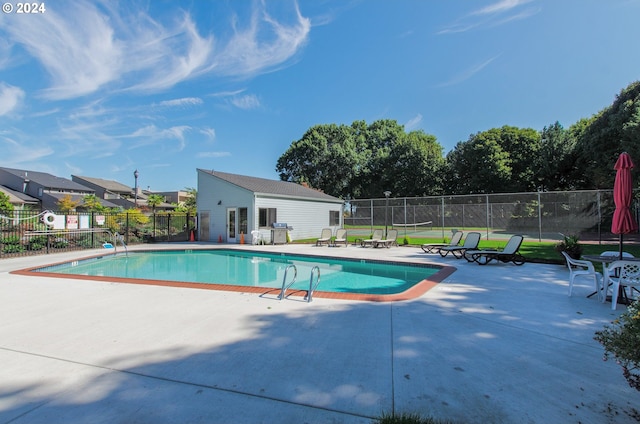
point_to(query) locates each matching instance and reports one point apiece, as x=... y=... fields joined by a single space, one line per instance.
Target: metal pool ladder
x=285 y=286
x=313 y=288
x=116 y=237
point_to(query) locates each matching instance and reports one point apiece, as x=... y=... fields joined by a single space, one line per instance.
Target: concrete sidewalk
x=490 y=344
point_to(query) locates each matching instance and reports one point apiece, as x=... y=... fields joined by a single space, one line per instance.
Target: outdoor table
x=606 y=260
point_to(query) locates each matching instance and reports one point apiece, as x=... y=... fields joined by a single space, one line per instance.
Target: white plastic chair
x=577 y=268
x=622 y=273
x=605 y=271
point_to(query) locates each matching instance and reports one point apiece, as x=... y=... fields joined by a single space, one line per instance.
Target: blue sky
x=101 y=88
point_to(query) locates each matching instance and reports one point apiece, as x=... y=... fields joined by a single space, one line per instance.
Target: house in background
x=20 y=201
x=47 y=188
x=230 y=205
x=120 y=194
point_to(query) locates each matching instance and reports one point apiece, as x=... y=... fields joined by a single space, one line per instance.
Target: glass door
x=231 y=225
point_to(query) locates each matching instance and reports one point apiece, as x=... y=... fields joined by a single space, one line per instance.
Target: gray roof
x=275 y=187
x=18 y=197
x=48 y=181
x=110 y=185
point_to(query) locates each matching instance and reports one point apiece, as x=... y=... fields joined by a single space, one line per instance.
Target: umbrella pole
x=620 y=248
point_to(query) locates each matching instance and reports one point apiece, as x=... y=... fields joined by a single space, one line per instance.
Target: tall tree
x=154 y=200
x=361 y=160
x=5 y=204
x=67 y=204
x=614 y=130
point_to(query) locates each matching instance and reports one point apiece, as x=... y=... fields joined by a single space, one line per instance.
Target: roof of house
x=16 y=197
x=48 y=181
x=110 y=185
x=275 y=187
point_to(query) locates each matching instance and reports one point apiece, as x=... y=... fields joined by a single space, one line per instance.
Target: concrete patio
x=490 y=344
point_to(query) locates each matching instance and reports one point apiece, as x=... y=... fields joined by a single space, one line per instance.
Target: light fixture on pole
x=386 y=207
x=135 y=175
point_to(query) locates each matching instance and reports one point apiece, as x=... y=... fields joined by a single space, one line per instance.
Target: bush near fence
x=25 y=233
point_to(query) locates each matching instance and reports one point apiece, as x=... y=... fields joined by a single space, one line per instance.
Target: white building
x=231 y=206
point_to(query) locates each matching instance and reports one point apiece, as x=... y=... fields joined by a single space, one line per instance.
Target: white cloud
x=500 y=7
x=493 y=15
x=210 y=133
x=85 y=47
x=413 y=122
x=10 y=98
x=150 y=133
x=249 y=101
x=468 y=73
x=185 y=101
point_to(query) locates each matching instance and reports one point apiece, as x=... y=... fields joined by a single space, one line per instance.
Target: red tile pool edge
x=417 y=290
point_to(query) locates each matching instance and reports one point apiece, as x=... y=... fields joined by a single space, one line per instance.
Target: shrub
x=571 y=245
x=621 y=340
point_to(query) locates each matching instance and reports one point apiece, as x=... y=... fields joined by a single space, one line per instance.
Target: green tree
x=5 y=204
x=363 y=160
x=613 y=130
x=92 y=203
x=154 y=200
x=67 y=204
x=478 y=165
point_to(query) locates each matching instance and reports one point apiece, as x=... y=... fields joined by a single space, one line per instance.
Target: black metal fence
x=31 y=233
x=538 y=215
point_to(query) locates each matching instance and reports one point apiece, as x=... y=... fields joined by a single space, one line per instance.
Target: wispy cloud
x=468 y=73
x=413 y=122
x=495 y=14
x=210 y=133
x=185 y=101
x=86 y=47
x=10 y=98
x=249 y=101
x=150 y=134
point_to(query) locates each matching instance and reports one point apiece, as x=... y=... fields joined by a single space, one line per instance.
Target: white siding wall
x=210 y=191
x=307 y=217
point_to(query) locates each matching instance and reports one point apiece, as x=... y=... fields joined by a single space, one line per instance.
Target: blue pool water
x=252 y=269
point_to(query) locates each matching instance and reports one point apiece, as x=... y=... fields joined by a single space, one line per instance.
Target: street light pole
x=135 y=175
x=386 y=207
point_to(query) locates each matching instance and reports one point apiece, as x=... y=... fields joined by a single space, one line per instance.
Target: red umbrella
x=623 y=222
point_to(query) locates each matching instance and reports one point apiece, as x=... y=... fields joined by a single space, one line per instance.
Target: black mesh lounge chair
x=508 y=254
x=470 y=243
x=434 y=248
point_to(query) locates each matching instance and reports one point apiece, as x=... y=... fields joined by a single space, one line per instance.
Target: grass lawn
x=533 y=251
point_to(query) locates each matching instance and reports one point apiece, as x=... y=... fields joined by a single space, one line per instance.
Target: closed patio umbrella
x=623 y=221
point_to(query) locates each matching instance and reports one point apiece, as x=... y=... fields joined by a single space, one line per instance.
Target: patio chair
x=622 y=275
x=341 y=237
x=256 y=237
x=470 y=243
x=391 y=240
x=434 y=248
x=579 y=267
x=375 y=238
x=325 y=237
x=510 y=253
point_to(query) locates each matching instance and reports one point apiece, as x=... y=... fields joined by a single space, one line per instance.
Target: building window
x=242 y=216
x=334 y=217
x=266 y=217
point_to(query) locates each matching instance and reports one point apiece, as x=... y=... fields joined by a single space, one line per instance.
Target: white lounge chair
x=341 y=237
x=390 y=240
x=375 y=238
x=325 y=237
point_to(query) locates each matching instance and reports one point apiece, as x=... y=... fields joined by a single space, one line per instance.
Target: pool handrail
x=313 y=288
x=284 y=280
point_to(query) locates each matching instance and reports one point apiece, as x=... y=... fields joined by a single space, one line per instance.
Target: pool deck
x=489 y=344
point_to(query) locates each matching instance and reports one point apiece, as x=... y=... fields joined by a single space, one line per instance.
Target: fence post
x=487 y=221
x=168 y=227
x=539 y=218
x=126 y=227
x=599 y=217
x=442 y=201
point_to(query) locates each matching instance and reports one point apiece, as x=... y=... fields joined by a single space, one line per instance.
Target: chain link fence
x=538 y=216
x=25 y=233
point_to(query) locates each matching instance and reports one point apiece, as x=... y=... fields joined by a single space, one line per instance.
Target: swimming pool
x=251 y=271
